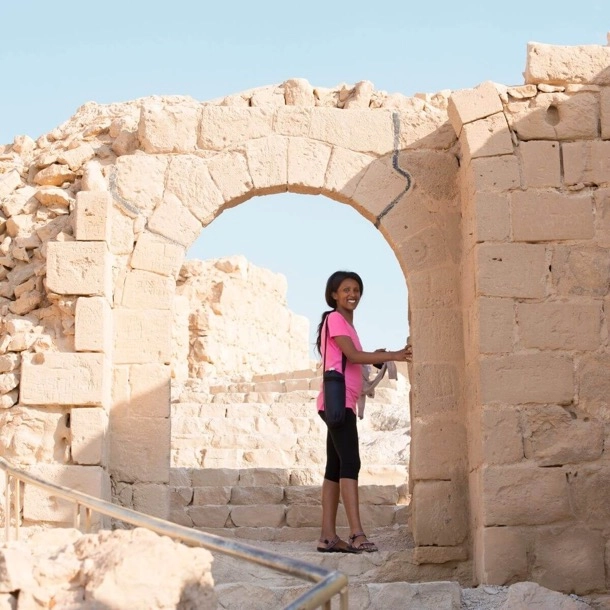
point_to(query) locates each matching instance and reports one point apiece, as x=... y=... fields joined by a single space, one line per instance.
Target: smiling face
x=347 y=295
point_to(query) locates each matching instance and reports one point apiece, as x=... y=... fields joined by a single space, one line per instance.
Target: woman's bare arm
x=379 y=357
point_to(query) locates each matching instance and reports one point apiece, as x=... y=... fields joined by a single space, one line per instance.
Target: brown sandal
x=332 y=546
x=367 y=547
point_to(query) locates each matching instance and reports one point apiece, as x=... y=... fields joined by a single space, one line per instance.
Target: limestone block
x=93 y=325
x=373 y=515
x=153 y=253
x=55 y=378
x=307 y=495
x=503 y=555
x=345 y=170
x=268 y=163
x=216 y=496
x=293 y=121
x=307 y=164
x=442 y=329
x=78 y=268
x=491 y=220
x=151 y=499
x=9 y=181
x=467 y=105
x=557 y=116
x=173 y=220
x=366 y=131
x=148 y=290
x=554 y=436
x=524 y=495
x=486 y=137
x=511 y=270
x=586 y=162
x=594 y=384
x=436 y=389
x=437 y=448
x=168 y=129
x=601 y=197
x=209 y=516
x=298 y=92
x=298 y=515
x=215 y=477
x=142 y=336
x=436 y=287
x=92 y=216
x=501 y=435
x=255 y=477
x=227 y=126
x=580 y=271
x=541 y=163
x=139 y=449
x=439 y=516
x=569 y=560
x=16 y=572
x=438 y=595
x=230 y=173
x=495 y=173
x=54 y=175
x=561 y=325
x=424 y=250
x=560 y=65
x=149 y=390
x=605 y=112
x=189 y=180
x=589 y=492
x=40 y=505
x=261 y=515
x=75 y=158
x=495 y=319
x=140 y=181
x=438 y=554
x=532 y=595
x=88 y=430
x=537 y=378
x=267 y=494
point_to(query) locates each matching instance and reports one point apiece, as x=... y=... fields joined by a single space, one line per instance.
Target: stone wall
x=494 y=201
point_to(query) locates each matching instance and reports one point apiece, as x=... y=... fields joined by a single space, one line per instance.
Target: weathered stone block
x=148 y=290
x=580 y=271
x=560 y=65
x=589 y=492
x=140 y=182
x=501 y=435
x=254 y=477
x=78 y=268
x=173 y=220
x=569 y=560
x=292 y=121
x=167 y=129
x=436 y=389
x=268 y=163
x=345 y=170
x=93 y=325
x=209 y=516
x=307 y=164
x=267 y=494
x=231 y=174
x=468 y=105
x=491 y=221
x=92 y=216
x=495 y=173
x=150 y=390
x=560 y=325
x=40 y=505
x=88 y=435
x=495 y=319
x=436 y=287
x=594 y=384
x=554 y=436
x=142 y=336
x=426 y=249
x=55 y=378
x=442 y=329
x=438 y=554
x=306 y=515
x=225 y=126
x=437 y=449
x=541 y=164
x=586 y=162
x=486 y=137
x=139 y=449
x=547 y=216
x=156 y=254
x=188 y=178
x=261 y=515
x=517 y=379
x=524 y=495
x=503 y=556
x=605 y=112
x=439 y=515
x=357 y=130
x=215 y=477
x=215 y=496
x=511 y=270
x=151 y=499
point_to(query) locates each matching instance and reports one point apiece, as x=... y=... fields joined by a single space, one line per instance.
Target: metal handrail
x=328 y=582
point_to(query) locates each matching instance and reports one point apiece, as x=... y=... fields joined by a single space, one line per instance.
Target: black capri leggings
x=342 y=452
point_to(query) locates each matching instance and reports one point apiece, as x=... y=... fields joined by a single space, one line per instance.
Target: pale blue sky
x=55 y=56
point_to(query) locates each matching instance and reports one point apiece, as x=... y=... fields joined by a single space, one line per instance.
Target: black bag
x=333 y=384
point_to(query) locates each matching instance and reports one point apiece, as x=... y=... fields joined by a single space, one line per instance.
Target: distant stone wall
x=239 y=322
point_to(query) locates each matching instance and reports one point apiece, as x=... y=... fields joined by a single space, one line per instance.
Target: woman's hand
x=403 y=355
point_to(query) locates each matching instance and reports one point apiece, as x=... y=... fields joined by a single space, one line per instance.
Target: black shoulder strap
x=343 y=358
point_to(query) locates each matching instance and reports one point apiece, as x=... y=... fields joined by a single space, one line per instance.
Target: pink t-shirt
x=338 y=326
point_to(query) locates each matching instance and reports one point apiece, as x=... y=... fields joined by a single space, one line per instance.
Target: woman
x=336 y=338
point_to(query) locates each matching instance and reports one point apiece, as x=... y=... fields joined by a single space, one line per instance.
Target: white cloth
x=369 y=385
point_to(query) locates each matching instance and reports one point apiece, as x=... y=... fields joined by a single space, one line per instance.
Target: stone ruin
x=496 y=203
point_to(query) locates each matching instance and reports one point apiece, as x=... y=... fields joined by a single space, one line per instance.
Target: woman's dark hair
x=332 y=285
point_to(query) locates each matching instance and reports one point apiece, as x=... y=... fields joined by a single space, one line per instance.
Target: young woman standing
x=336 y=338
